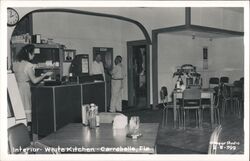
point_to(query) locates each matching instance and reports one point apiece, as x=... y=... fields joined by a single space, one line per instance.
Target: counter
x=55 y=106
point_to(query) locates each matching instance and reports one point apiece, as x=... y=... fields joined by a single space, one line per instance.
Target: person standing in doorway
x=97 y=66
x=117 y=86
x=25 y=75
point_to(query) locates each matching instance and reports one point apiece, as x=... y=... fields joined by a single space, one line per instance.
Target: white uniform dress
x=116 y=89
x=97 y=68
x=23 y=82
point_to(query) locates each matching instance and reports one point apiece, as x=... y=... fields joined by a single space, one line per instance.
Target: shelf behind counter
x=55 y=106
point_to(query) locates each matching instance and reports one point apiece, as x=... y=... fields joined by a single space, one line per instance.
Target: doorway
x=107 y=60
x=138 y=74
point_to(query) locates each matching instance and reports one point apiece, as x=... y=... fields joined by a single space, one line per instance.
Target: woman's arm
x=35 y=79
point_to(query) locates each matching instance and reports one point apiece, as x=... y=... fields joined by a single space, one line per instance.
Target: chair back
x=192 y=94
x=192 y=97
x=239 y=83
x=224 y=80
x=242 y=80
x=18 y=136
x=213 y=82
x=237 y=92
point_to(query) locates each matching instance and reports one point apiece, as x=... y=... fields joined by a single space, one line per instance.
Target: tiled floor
x=192 y=140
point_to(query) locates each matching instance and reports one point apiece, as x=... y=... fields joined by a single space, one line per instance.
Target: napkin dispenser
x=85 y=112
x=120 y=122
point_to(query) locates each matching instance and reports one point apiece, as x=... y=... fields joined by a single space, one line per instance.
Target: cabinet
x=48 y=57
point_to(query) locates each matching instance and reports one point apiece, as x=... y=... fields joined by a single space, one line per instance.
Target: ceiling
x=202 y=34
x=204 y=31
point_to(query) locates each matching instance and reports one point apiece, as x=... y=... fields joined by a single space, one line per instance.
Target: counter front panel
x=55 y=106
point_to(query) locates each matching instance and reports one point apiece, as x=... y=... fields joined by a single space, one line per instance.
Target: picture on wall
x=69 y=55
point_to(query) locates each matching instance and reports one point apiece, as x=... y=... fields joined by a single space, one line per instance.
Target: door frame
x=130 y=45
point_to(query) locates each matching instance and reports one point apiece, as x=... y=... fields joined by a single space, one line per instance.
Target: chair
x=192 y=101
x=224 y=80
x=18 y=137
x=242 y=99
x=242 y=81
x=225 y=93
x=166 y=105
x=213 y=142
x=214 y=82
x=237 y=98
x=216 y=104
x=19 y=141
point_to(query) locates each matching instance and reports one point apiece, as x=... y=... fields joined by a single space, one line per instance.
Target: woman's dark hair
x=24 y=52
x=118 y=59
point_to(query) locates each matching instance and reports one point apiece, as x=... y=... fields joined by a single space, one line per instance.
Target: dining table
x=78 y=138
x=206 y=93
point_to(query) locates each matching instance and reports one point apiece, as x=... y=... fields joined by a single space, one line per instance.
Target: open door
x=138 y=74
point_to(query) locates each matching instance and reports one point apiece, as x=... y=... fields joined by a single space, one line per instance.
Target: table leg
x=174 y=110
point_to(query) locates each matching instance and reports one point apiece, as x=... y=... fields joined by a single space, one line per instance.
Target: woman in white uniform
x=117 y=86
x=24 y=73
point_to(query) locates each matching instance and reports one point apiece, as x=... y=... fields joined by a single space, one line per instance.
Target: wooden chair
x=19 y=141
x=213 y=142
x=166 y=106
x=192 y=101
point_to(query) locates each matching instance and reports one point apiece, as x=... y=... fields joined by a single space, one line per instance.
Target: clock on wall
x=13 y=17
